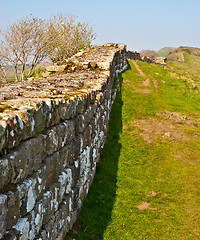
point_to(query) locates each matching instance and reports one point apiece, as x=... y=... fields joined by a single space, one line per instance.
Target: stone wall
x=52 y=131
x=133 y=55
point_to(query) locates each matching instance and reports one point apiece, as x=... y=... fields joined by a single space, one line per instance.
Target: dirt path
x=147 y=82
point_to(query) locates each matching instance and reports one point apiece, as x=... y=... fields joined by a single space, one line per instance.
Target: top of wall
x=28 y=107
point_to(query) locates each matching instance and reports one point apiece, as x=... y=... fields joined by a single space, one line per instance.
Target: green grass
x=164 y=173
x=9 y=79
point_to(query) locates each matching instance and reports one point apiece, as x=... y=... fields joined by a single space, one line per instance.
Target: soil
x=147 y=82
x=166 y=126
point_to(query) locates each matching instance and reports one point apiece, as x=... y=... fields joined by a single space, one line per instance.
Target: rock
x=3 y=214
x=13 y=208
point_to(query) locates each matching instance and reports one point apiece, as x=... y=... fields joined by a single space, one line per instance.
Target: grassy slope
x=164 y=51
x=133 y=171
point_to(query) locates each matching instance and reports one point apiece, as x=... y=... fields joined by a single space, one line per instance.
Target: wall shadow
x=96 y=210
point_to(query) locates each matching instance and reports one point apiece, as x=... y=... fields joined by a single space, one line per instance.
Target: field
x=147 y=182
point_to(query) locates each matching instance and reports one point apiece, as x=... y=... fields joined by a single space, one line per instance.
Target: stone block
x=3 y=214
x=85 y=160
x=25 y=159
x=34 y=151
x=89 y=114
x=66 y=155
x=3 y=129
x=19 y=164
x=42 y=116
x=39 y=211
x=50 y=228
x=25 y=226
x=62 y=183
x=77 y=146
x=72 y=108
x=4 y=172
x=13 y=213
x=68 y=173
x=27 y=195
x=66 y=132
x=42 y=235
x=50 y=202
x=12 y=234
x=75 y=169
x=81 y=123
x=81 y=104
x=64 y=109
x=14 y=130
x=53 y=167
x=86 y=136
x=40 y=175
x=50 y=140
x=27 y=116
x=57 y=224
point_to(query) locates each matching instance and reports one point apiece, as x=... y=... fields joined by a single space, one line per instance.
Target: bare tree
x=3 y=69
x=67 y=36
x=24 y=42
x=31 y=40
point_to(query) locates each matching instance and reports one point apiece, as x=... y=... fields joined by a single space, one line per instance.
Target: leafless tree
x=30 y=40
x=24 y=42
x=3 y=69
x=67 y=36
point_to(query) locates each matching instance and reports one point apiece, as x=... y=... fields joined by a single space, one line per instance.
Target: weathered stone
x=40 y=175
x=64 y=109
x=81 y=104
x=25 y=159
x=40 y=212
x=58 y=136
x=24 y=227
x=12 y=234
x=72 y=108
x=66 y=132
x=14 y=130
x=3 y=127
x=40 y=116
x=3 y=214
x=66 y=155
x=34 y=151
x=89 y=114
x=42 y=235
x=50 y=140
x=77 y=146
x=50 y=230
x=26 y=114
x=13 y=208
x=60 y=124
x=75 y=170
x=4 y=172
x=19 y=165
x=27 y=195
x=53 y=167
x=68 y=173
x=50 y=203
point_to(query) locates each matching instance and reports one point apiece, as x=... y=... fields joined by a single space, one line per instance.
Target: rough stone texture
x=3 y=213
x=52 y=132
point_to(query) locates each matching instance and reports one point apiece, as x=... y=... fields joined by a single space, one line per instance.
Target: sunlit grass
x=163 y=175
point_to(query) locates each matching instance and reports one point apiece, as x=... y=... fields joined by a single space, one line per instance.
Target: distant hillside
x=164 y=51
x=178 y=54
x=149 y=53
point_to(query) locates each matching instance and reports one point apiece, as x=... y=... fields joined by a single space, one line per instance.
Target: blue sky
x=141 y=24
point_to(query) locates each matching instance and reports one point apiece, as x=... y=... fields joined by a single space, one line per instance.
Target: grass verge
x=147 y=182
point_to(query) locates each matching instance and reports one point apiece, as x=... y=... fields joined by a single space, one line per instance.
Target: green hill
x=164 y=51
x=179 y=53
